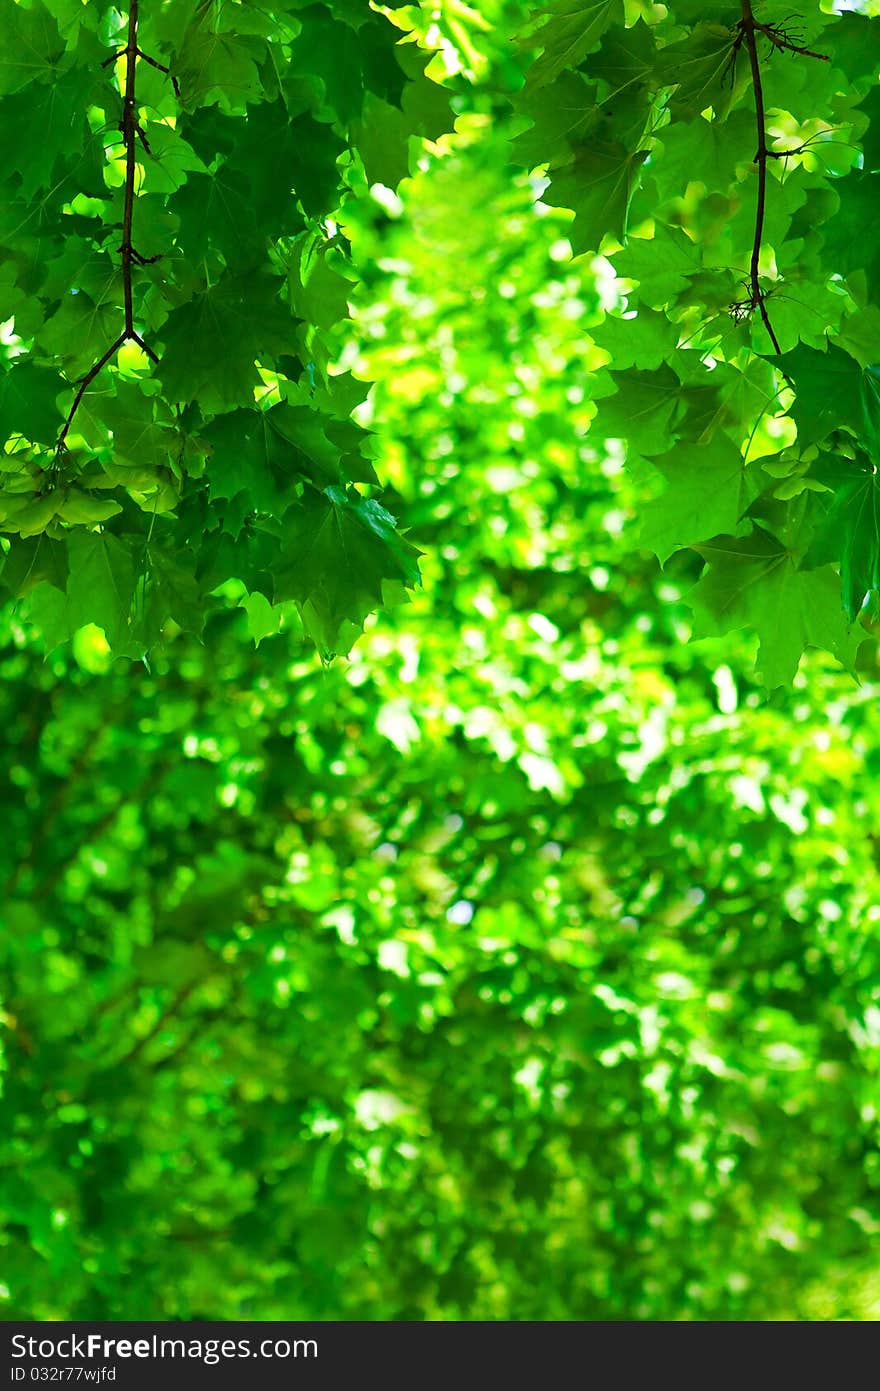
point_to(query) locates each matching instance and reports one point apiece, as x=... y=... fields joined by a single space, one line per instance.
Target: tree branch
x=131 y=133
x=756 y=298
x=782 y=39
x=83 y=388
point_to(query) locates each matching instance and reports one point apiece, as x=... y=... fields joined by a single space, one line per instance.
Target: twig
x=781 y=38
x=83 y=388
x=756 y=298
x=132 y=131
x=160 y=67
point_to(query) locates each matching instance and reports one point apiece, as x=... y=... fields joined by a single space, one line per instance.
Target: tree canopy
x=177 y=259
x=524 y=964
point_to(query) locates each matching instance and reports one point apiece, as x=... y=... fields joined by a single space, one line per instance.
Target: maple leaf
x=828 y=391
x=27 y=402
x=641 y=410
x=754 y=582
x=708 y=489
x=212 y=343
x=662 y=264
x=45 y=126
x=571 y=28
x=645 y=340
x=701 y=69
x=598 y=186
x=343 y=551
x=30 y=46
x=255 y=452
x=850 y=533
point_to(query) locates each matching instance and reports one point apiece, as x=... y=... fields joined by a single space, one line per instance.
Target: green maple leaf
x=828 y=391
x=171 y=591
x=571 y=29
x=662 y=264
x=871 y=410
x=215 y=210
x=709 y=152
x=557 y=127
x=252 y=557
x=212 y=343
x=247 y=189
x=754 y=582
x=80 y=268
x=215 y=64
x=701 y=69
x=647 y=339
x=30 y=46
x=708 y=489
x=383 y=133
x=642 y=410
x=263 y=619
x=626 y=59
x=45 y=605
x=850 y=533
x=847 y=250
x=27 y=402
x=316 y=286
x=305 y=152
x=870 y=141
x=345 y=64
x=344 y=551
x=95 y=583
x=32 y=561
x=101 y=584
x=598 y=187
x=44 y=125
x=803 y=311
x=143 y=447
x=382 y=138
x=268 y=454
x=851 y=43
x=80 y=330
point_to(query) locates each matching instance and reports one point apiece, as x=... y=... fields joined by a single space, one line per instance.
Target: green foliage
x=524 y=965
x=162 y=399
x=722 y=256
x=236 y=177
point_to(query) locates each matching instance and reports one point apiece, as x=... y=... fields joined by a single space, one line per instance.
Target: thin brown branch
x=160 y=67
x=747 y=28
x=145 y=347
x=783 y=38
x=83 y=388
x=132 y=131
x=779 y=39
x=129 y=133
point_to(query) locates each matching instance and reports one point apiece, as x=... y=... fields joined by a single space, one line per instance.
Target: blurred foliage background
x=525 y=965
